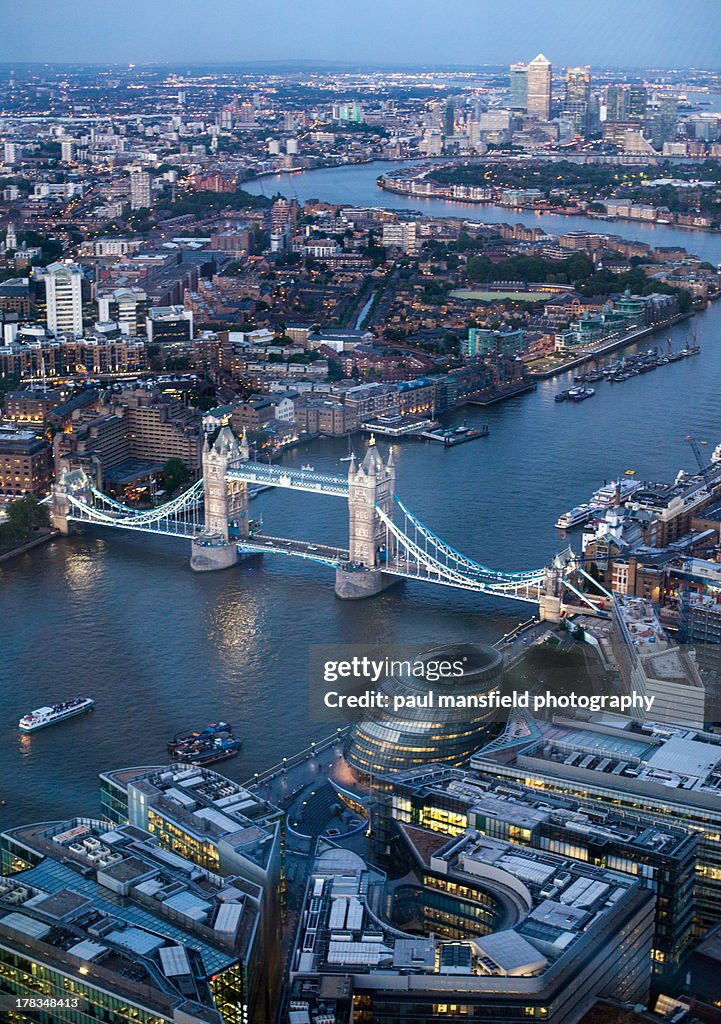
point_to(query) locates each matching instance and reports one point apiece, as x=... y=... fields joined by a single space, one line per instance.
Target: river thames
x=123 y=619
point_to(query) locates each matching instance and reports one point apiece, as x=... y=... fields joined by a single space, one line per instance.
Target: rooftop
x=207 y=804
x=617 y=752
x=114 y=899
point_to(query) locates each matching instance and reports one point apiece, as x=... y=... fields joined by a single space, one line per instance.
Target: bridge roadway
x=322 y=553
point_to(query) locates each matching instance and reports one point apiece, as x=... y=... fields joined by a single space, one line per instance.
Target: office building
x=25 y=463
x=664 y=123
x=140 y=193
x=518 y=93
x=450 y=733
x=637 y=101
x=477 y=929
x=106 y=916
x=654 y=666
x=617 y=103
x=199 y=815
x=451 y=800
x=167 y=324
x=578 y=97
x=539 y=88
x=63 y=297
x=128 y=307
x=663 y=773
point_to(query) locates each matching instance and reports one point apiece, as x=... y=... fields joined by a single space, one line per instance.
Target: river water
x=123 y=619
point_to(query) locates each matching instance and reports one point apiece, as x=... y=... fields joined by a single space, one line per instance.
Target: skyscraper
x=518 y=97
x=578 y=85
x=637 y=99
x=578 y=95
x=539 y=88
x=63 y=297
x=139 y=190
x=665 y=121
x=617 y=103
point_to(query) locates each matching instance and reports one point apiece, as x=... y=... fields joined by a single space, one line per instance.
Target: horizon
x=81 y=31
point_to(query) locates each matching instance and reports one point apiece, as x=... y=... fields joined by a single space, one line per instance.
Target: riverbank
x=612 y=345
x=473 y=195
x=43 y=535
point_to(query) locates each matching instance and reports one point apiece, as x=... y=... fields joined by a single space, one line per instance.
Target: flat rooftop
x=666 y=756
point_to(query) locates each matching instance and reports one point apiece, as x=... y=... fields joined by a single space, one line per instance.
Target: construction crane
x=701 y=464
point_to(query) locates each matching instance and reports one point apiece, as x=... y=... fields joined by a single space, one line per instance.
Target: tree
x=175 y=475
x=23 y=516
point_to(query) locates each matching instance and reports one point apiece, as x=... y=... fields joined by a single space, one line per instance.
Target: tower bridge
x=386 y=541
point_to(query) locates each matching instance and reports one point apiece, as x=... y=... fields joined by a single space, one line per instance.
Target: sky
x=649 y=33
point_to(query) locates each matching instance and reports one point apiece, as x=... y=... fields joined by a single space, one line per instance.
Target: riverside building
x=199 y=815
x=377 y=745
x=105 y=919
x=666 y=774
x=451 y=800
x=654 y=666
x=478 y=929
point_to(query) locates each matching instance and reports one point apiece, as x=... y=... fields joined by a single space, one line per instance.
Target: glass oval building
x=423 y=731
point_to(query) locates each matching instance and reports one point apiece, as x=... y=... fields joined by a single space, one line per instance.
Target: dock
x=450 y=437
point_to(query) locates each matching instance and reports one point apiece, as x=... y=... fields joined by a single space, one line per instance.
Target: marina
x=621 y=370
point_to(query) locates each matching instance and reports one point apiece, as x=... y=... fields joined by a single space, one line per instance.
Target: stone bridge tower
x=370 y=486
x=226 y=504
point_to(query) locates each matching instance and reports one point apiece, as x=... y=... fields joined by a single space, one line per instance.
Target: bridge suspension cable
x=179 y=517
x=449 y=556
x=413 y=559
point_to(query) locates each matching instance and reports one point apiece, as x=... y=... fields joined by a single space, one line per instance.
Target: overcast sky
x=662 y=33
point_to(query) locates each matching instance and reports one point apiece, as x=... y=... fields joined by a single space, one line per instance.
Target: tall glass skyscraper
x=637 y=100
x=518 y=94
x=617 y=103
x=539 y=88
x=578 y=95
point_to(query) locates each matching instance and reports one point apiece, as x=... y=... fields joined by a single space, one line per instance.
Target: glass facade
x=445 y=908
x=23 y=977
x=432 y=731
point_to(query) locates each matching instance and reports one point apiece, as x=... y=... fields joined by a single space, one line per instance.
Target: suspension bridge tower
x=226 y=505
x=371 y=486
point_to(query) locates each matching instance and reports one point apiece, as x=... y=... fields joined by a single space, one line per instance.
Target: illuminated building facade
x=215 y=823
x=669 y=775
x=500 y=934
x=449 y=801
x=102 y=924
x=378 y=745
x=539 y=88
